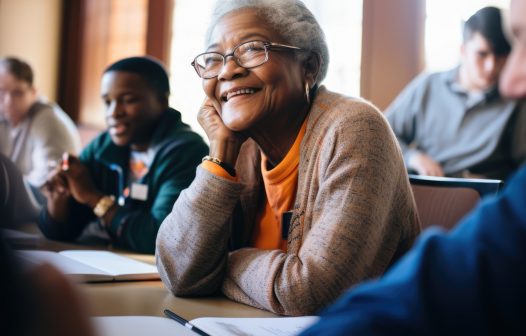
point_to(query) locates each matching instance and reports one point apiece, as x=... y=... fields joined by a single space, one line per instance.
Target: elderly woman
x=304 y=192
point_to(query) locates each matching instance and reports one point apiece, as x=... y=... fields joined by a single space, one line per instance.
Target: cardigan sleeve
x=192 y=244
x=358 y=217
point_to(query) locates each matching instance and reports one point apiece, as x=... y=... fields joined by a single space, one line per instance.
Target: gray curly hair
x=289 y=18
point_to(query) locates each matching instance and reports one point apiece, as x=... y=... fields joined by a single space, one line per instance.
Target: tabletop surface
x=150 y=298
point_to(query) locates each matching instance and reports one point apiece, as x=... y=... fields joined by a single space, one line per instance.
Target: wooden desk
x=148 y=298
x=151 y=298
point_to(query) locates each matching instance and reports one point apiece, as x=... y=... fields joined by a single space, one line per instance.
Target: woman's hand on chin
x=224 y=143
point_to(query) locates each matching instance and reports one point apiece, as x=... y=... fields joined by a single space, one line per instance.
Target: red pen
x=65 y=162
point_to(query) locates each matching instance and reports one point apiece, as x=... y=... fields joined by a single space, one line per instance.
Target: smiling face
x=513 y=80
x=482 y=67
x=133 y=108
x=258 y=98
x=16 y=97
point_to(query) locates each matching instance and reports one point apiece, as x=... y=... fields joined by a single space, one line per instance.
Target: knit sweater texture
x=354 y=214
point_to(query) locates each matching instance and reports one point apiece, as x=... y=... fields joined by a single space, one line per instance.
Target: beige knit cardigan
x=354 y=214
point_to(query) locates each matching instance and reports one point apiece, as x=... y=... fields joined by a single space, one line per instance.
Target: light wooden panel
x=392 y=47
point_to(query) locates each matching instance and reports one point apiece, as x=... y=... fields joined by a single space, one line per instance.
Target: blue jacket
x=471 y=281
x=178 y=151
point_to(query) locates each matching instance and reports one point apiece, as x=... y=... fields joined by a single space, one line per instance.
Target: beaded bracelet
x=228 y=168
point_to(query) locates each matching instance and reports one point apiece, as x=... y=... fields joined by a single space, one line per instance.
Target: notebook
x=213 y=326
x=92 y=266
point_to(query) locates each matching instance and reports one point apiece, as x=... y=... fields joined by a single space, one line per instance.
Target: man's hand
x=79 y=181
x=57 y=193
x=424 y=165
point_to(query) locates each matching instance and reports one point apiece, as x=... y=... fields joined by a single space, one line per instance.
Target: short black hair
x=148 y=68
x=488 y=22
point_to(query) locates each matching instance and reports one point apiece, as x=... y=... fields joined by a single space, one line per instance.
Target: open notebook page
x=110 y=263
x=64 y=264
x=263 y=326
x=139 y=326
x=87 y=265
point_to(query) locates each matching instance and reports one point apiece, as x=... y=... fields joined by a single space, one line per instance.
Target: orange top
x=281 y=183
x=217 y=170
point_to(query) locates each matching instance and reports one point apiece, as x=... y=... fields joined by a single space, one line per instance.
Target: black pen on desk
x=184 y=322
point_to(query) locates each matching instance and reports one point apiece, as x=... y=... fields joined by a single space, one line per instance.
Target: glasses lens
x=251 y=54
x=208 y=65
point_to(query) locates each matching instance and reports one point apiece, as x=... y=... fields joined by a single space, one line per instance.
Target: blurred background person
x=455 y=123
x=16 y=205
x=33 y=132
x=126 y=180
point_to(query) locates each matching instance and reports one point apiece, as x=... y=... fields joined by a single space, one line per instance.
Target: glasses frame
x=269 y=46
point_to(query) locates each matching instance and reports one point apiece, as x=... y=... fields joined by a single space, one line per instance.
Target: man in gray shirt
x=33 y=132
x=455 y=123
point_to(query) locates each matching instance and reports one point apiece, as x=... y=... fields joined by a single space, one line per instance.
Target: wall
x=30 y=29
x=392 y=47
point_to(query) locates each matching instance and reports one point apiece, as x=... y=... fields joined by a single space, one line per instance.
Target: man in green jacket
x=128 y=178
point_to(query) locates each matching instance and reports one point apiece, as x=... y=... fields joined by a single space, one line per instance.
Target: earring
x=307 y=92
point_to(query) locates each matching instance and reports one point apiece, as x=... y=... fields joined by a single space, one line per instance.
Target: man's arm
x=402 y=115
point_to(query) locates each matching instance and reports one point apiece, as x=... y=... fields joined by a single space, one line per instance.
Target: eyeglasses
x=247 y=55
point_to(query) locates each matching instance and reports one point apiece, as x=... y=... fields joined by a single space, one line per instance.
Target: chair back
x=443 y=201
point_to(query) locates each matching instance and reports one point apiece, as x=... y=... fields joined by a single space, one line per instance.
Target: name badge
x=139 y=191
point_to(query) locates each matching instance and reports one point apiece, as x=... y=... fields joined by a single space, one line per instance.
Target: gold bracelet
x=103 y=205
x=228 y=168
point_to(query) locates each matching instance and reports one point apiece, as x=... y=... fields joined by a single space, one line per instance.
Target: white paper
x=215 y=326
x=88 y=265
x=263 y=326
x=110 y=263
x=65 y=265
x=139 y=326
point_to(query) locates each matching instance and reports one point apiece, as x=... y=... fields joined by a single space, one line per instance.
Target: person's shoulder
x=336 y=117
x=42 y=111
x=424 y=80
x=98 y=143
x=177 y=130
x=47 y=112
x=336 y=108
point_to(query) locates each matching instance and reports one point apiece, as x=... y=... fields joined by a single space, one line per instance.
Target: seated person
x=38 y=300
x=128 y=178
x=455 y=123
x=16 y=204
x=466 y=282
x=33 y=132
x=304 y=191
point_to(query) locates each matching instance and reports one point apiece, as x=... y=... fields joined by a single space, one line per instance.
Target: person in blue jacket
x=470 y=281
x=126 y=180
